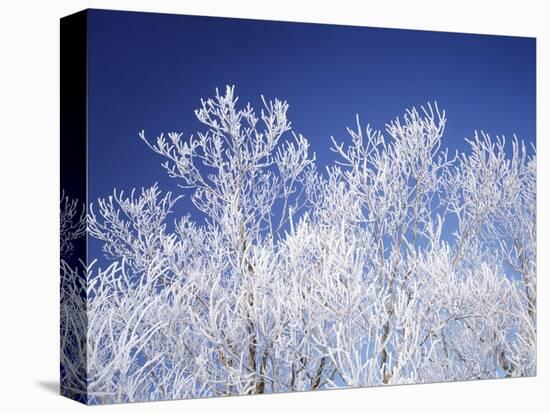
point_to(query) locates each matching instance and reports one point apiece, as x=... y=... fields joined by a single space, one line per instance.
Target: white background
x=29 y=157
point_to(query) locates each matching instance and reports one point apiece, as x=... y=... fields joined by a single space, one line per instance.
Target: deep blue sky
x=149 y=71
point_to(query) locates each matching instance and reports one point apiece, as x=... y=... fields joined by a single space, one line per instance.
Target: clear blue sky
x=149 y=71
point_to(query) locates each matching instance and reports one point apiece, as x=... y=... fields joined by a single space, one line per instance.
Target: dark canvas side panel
x=73 y=260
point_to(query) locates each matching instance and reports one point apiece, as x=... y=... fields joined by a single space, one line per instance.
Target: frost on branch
x=134 y=229
x=397 y=263
x=72 y=224
x=73 y=320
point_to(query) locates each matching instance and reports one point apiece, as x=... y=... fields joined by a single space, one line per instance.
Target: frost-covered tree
x=72 y=224
x=399 y=263
x=73 y=319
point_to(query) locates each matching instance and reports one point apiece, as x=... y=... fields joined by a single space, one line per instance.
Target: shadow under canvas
x=50 y=386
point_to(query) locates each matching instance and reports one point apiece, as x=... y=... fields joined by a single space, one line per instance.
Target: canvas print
x=254 y=207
